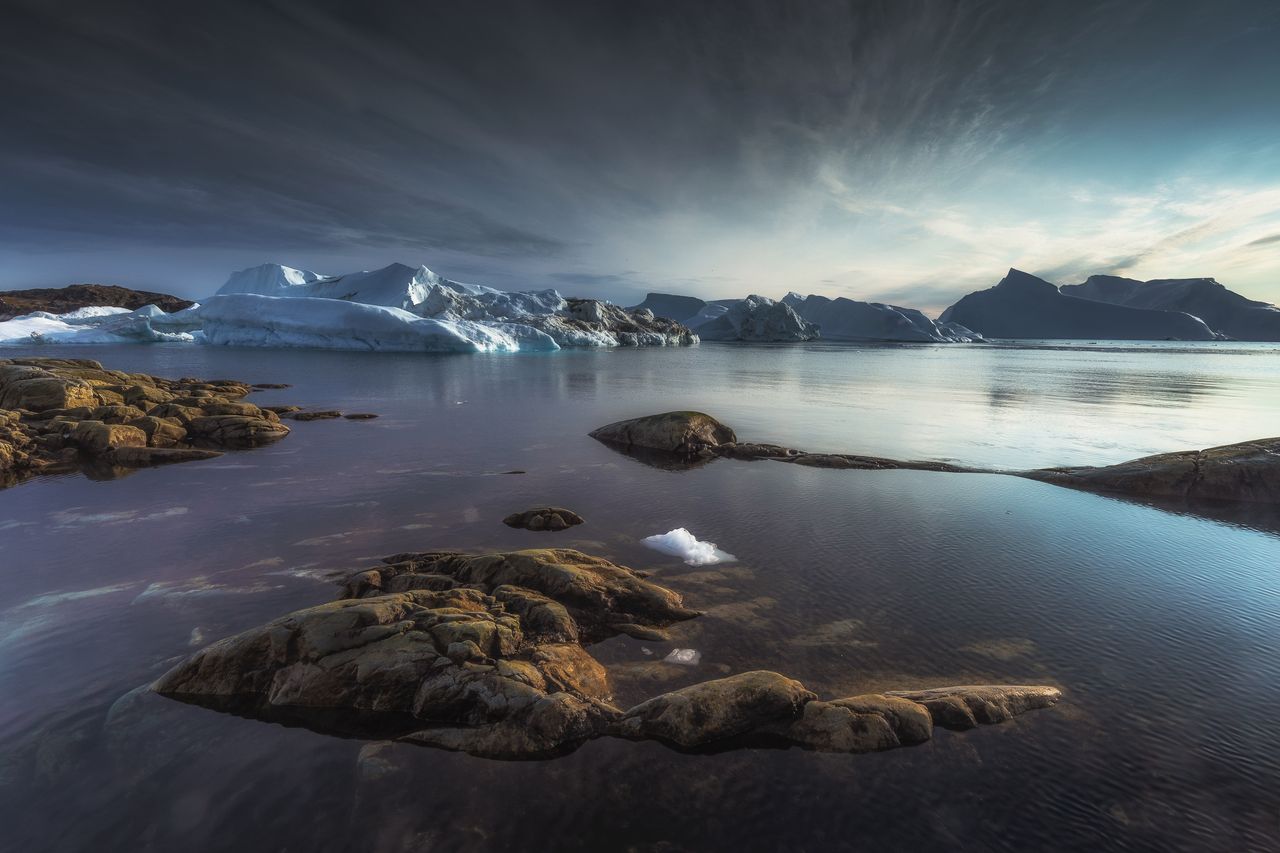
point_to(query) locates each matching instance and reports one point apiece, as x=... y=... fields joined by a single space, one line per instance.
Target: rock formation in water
x=1023 y=306
x=485 y=654
x=59 y=415
x=62 y=300
x=545 y=518
x=1225 y=311
x=1248 y=472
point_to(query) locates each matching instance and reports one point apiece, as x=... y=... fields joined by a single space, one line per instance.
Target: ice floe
x=683 y=544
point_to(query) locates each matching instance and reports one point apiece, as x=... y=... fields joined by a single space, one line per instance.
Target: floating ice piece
x=683 y=544
x=93 y=325
x=684 y=657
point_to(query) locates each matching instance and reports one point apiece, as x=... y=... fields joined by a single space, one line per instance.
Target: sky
x=897 y=151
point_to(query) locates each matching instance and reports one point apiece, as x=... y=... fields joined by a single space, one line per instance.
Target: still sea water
x=1161 y=626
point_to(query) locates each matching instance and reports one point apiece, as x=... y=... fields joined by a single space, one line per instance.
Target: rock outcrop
x=681 y=433
x=61 y=300
x=1248 y=472
x=59 y=415
x=485 y=654
x=547 y=518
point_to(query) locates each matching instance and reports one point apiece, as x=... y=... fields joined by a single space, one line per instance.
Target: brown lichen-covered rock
x=683 y=433
x=547 y=518
x=484 y=654
x=66 y=412
x=702 y=714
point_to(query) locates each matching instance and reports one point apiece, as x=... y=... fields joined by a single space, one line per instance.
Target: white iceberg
x=393 y=286
x=92 y=325
x=756 y=318
x=246 y=319
x=683 y=544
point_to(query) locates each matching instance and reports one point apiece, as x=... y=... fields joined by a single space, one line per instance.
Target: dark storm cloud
x=552 y=136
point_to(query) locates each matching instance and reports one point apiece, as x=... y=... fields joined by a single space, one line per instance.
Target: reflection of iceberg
x=683 y=544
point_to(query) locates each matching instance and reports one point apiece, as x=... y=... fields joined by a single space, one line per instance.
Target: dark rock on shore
x=60 y=300
x=549 y=518
x=60 y=414
x=360 y=416
x=484 y=654
x=1247 y=472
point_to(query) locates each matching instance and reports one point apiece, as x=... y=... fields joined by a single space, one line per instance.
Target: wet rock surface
x=60 y=415
x=547 y=518
x=485 y=654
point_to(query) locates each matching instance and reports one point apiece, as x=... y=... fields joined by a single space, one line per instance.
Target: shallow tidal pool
x=1161 y=625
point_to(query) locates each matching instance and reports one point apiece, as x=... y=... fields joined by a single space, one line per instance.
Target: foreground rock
x=1248 y=472
x=60 y=300
x=485 y=654
x=550 y=518
x=59 y=415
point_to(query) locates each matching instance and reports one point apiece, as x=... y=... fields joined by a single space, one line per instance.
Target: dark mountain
x=1024 y=306
x=1223 y=310
x=60 y=300
x=672 y=306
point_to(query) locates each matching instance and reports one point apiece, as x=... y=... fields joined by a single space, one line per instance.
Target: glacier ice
x=92 y=325
x=246 y=319
x=683 y=544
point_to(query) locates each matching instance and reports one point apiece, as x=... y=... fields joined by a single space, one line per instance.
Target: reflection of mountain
x=1023 y=306
x=1223 y=310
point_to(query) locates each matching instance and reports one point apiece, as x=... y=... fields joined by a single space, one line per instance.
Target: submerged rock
x=59 y=414
x=682 y=433
x=549 y=518
x=484 y=654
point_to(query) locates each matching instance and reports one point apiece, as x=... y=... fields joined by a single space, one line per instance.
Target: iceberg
x=92 y=325
x=756 y=318
x=683 y=544
x=246 y=319
x=844 y=319
x=393 y=286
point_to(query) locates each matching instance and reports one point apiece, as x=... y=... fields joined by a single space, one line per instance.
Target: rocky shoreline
x=1248 y=472
x=486 y=654
x=59 y=415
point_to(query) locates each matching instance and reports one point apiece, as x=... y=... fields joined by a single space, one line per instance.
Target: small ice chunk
x=684 y=657
x=683 y=544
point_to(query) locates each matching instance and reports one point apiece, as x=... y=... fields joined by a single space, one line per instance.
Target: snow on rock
x=92 y=325
x=245 y=319
x=844 y=319
x=755 y=318
x=1024 y=306
x=683 y=544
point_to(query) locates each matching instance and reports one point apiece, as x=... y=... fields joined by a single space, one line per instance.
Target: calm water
x=1162 y=627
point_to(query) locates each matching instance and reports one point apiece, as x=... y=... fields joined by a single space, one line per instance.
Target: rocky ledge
x=60 y=300
x=59 y=415
x=485 y=654
x=1248 y=472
